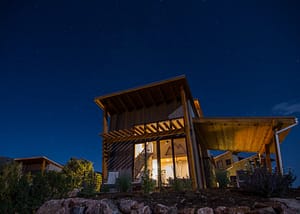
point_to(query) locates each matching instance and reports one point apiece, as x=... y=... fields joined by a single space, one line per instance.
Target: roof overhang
x=142 y=97
x=37 y=160
x=243 y=134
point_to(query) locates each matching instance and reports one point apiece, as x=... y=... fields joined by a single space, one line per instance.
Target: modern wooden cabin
x=160 y=127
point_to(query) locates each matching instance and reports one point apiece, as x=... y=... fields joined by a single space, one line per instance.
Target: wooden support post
x=259 y=158
x=278 y=154
x=187 y=127
x=158 y=163
x=268 y=158
x=43 y=166
x=104 y=146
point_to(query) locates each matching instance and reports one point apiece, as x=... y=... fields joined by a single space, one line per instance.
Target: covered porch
x=261 y=135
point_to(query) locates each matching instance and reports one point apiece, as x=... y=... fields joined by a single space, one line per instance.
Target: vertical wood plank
x=268 y=158
x=43 y=166
x=187 y=127
x=104 y=146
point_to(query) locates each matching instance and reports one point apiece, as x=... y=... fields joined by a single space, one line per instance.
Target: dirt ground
x=208 y=197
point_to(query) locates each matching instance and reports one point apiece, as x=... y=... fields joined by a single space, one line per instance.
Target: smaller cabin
x=35 y=165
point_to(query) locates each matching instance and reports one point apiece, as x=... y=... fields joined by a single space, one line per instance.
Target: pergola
x=245 y=134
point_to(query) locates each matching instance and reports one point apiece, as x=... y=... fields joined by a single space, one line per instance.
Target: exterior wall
x=225 y=160
x=244 y=164
x=33 y=168
x=140 y=116
x=52 y=167
x=121 y=154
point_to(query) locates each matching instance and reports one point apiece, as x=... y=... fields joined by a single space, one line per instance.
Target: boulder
x=126 y=205
x=52 y=206
x=205 y=210
x=220 y=210
x=186 y=211
x=161 y=209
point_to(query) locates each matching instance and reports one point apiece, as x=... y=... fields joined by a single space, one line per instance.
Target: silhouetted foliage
x=124 y=182
x=26 y=193
x=222 y=178
x=267 y=184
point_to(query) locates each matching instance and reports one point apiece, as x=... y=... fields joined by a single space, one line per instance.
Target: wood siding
x=127 y=120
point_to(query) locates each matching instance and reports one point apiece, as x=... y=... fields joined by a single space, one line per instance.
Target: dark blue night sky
x=241 y=58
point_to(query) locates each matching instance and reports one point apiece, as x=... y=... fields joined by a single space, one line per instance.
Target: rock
x=73 y=193
x=220 y=210
x=161 y=209
x=139 y=208
x=290 y=203
x=232 y=210
x=96 y=206
x=114 y=209
x=242 y=209
x=265 y=210
x=78 y=210
x=187 y=211
x=52 y=206
x=172 y=210
x=205 y=210
x=126 y=205
x=260 y=205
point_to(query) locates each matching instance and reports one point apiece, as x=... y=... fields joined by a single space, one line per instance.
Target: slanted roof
x=240 y=134
x=37 y=160
x=145 y=96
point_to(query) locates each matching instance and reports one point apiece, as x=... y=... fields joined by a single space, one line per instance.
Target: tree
x=222 y=178
x=10 y=174
x=82 y=174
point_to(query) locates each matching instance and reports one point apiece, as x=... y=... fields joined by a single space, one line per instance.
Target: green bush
x=222 y=178
x=124 y=182
x=148 y=184
x=181 y=184
x=267 y=184
x=25 y=193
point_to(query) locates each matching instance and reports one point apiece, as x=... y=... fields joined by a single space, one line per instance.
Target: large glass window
x=145 y=158
x=181 y=161
x=163 y=159
x=139 y=160
x=166 y=159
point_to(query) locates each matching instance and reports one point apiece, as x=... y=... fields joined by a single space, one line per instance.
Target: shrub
x=124 y=182
x=222 y=178
x=268 y=184
x=180 y=184
x=148 y=184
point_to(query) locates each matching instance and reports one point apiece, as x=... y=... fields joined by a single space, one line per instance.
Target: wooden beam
x=161 y=127
x=122 y=103
x=129 y=98
x=112 y=106
x=104 y=146
x=166 y=125
x=151 y=97
x=137 y=131
x=155 y=127
x=179 y=123
x=146 y=136
x=148 y=127
x=43 y=167
x=141 y=99
x=191 y=158
x=162 y=95
x=268 y=158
